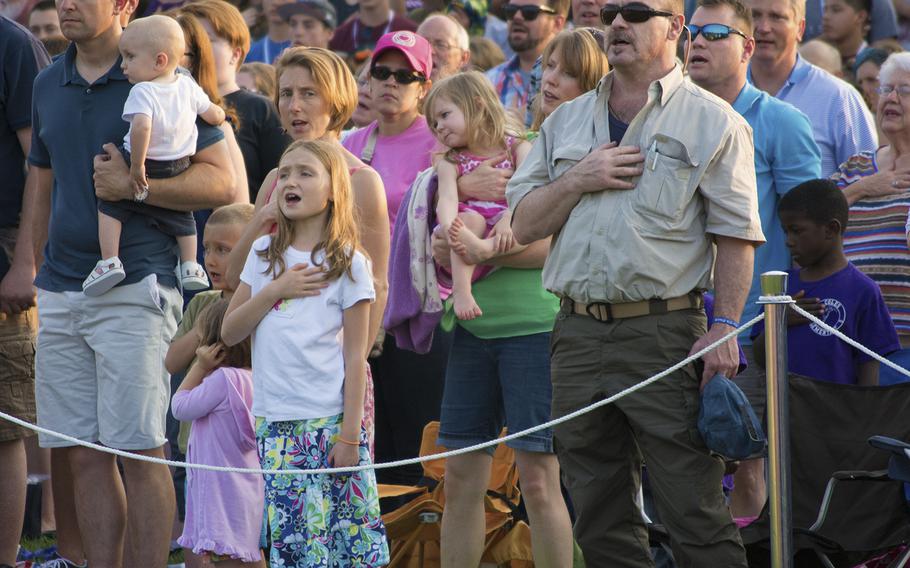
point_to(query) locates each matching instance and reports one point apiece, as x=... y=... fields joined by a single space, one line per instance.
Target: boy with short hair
x=814 y=216
x=161 y=108
x=222 y=231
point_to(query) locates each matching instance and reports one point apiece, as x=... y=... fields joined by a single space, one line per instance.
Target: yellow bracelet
x=343 y=441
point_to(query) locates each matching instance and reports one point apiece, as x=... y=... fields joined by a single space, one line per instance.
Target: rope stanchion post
x=775 y=300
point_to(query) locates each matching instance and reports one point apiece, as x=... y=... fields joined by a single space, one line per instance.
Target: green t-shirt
x=196 y=305
x=514 y=303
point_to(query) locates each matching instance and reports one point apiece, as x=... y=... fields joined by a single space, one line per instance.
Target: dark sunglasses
x=402 y=76
x=529 y=12
x=712 y=32
x=634 y=13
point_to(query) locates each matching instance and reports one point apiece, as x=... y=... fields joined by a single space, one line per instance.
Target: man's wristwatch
x=142 y=194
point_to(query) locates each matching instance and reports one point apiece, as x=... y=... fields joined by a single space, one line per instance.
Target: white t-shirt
x=298 y=363
x=173 y=108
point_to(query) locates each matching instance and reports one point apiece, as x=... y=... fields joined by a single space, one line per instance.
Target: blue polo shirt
x=71 y=121
x=841 y=122
x=785 y=156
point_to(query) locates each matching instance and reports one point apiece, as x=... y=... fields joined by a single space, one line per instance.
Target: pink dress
x=223 y=510
x=491 y=211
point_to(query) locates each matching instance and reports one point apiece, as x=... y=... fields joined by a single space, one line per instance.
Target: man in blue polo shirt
x=841 y=122
x=100 y=373
x=785 y=156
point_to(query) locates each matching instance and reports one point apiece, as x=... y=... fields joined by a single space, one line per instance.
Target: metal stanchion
x=775 y=284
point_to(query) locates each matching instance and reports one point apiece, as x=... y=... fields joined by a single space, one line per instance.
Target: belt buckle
x=604 y=313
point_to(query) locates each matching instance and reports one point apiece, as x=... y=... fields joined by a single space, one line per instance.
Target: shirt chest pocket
x=565 y=157
x=665 y=188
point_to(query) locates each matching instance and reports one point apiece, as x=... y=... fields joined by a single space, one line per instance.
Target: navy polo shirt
x=21 y=57
x=71 y=121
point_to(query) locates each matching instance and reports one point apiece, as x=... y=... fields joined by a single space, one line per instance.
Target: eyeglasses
x=634 y=13
x=529 y=12
x=441 y=46
x=902 y=90
x=402 y=76
x=712 y=32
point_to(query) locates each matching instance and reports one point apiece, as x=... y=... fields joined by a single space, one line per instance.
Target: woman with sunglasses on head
x=571 y=65
x=399 y=145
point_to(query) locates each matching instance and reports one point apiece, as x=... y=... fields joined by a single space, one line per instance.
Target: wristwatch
x=142 y=194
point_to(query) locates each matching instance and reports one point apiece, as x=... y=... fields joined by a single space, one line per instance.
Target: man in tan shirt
x=647 y=185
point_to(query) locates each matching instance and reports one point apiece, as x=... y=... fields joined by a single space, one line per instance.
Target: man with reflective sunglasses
x=785 y=156
x=841 y=123
x=532 y=24
x=647 y=186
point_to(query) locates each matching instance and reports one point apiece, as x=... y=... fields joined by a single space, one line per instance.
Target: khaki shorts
x=100 y=373
x=17 y=372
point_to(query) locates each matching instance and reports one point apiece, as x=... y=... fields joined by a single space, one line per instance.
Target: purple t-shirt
x=397 y=159
x=854 y=306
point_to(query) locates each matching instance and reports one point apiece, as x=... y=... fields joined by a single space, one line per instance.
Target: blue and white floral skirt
x=318 y=520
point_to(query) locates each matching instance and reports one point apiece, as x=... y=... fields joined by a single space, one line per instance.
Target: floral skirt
x=318 y=520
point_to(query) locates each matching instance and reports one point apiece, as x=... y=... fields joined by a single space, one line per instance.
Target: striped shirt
x=841 y=123
x=876 y=241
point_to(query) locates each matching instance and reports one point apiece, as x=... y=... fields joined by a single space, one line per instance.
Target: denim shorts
x=495 y=382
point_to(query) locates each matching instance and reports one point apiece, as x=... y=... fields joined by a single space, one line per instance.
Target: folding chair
x=413 y=529
x=846 y=508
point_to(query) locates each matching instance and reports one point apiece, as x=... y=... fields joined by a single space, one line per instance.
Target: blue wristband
x=727 y=321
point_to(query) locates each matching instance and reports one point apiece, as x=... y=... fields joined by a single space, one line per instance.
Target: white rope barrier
x=850 y=341
x=398 y=463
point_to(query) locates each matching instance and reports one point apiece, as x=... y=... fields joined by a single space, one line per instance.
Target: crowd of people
x=288 y=234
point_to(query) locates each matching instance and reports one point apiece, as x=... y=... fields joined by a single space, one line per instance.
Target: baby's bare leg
x=109 y=230
x=467 y=223
x=187 y=246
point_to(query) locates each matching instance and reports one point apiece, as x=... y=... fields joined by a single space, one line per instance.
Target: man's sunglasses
x=712 y=32
x=529 y=12
x=402 y=76
x=634 y=13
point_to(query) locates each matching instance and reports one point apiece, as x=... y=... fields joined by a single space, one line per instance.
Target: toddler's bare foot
x=465 y=307
x=470 y=247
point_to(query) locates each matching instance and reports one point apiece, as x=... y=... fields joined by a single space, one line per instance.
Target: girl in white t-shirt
x=309 y=365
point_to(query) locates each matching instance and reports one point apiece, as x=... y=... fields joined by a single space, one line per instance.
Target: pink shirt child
x=223 y=510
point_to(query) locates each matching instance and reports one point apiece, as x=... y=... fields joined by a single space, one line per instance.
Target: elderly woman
x=316 y=97
x=498 y=371
x=876 y=185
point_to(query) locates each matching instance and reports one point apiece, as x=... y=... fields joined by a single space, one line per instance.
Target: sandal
x=192 y=276
x=106 y=274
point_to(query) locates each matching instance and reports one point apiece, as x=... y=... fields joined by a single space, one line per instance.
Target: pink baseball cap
x=414 y=47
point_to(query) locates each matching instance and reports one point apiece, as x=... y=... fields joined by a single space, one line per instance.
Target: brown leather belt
x=606 y=313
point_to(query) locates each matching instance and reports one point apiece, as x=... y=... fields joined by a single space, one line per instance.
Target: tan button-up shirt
x=653 y=241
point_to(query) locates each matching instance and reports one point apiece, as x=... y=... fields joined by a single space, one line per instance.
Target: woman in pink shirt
x=399 y=145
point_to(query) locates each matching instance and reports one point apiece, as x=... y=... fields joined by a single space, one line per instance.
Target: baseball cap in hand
x=414 y=47
x=319 y=9
x=726 y=421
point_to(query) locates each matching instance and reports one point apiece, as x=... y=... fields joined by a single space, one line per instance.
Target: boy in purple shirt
x=814 y=215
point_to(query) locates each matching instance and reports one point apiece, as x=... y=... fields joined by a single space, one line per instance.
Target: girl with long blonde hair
x=465 y=115
x=309 y=365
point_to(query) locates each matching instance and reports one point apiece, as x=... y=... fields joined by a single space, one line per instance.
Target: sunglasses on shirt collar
x=712 y=32
x=634 y=13
x=402 y=76
x=529 y=12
